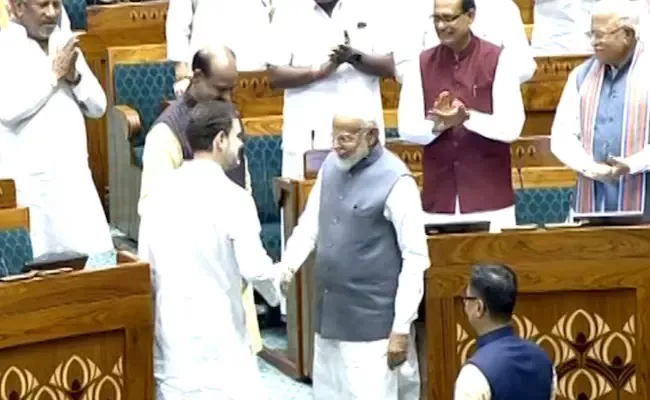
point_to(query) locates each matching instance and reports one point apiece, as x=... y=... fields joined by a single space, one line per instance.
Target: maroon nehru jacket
x=461 y=162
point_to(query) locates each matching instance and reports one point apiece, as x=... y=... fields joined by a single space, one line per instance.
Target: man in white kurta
x=601 y=127
x=43 y=144
x=316 y=81
x=496 y=21
x=241 y=25
x=200 y=232
x=363 y=218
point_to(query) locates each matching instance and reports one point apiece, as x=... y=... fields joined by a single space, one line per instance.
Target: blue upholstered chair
x=15 y=243
x=547 y=201
x=77 y=12
x=139 y=81
x=142 y=81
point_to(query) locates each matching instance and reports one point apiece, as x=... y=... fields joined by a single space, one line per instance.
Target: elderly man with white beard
x=364 y=220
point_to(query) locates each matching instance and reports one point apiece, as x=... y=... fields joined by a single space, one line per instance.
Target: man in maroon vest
x=461 y=101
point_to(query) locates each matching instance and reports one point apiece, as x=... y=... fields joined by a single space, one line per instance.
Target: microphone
x=520 y=176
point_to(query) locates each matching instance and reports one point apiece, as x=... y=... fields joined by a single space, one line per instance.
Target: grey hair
x=623 y=10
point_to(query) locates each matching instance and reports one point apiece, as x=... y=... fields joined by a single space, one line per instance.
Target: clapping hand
x=344 y=53
x=448 y=111
x=64 y=64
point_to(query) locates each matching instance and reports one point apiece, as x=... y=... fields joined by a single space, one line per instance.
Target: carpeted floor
x=280 y=387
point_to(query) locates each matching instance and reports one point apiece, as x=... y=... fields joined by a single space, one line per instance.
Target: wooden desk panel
x=85 y=335
x=583 y=298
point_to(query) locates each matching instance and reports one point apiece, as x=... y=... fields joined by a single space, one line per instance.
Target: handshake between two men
x=273 y=293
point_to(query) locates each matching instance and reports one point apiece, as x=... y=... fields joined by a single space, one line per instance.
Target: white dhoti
x=359 y=371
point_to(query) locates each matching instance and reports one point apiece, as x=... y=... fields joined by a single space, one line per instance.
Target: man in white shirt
x=597 y=130
x=496 y=21
x=240 y=25
x=363 y=218
x=47 y=89
x=327 y=51
x=201 y=234
x=504 y=366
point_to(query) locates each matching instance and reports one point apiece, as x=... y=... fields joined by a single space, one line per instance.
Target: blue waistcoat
x=516 y=369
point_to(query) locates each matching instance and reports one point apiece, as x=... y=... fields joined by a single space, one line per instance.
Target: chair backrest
x=15 y=243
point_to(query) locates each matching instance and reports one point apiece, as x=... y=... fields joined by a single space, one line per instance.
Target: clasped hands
x=447 y=112
x=339 y=55
x=608 y=171
x=397 y=351
x=65 y=61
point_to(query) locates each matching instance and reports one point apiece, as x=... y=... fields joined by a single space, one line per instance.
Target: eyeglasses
x=445 y=19
x=468 y=298
x=600 y=35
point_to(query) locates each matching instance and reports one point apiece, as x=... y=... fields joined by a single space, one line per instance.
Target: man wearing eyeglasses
x=601 y=127
x=504 y=365
x=461 y=101
x=496 y=21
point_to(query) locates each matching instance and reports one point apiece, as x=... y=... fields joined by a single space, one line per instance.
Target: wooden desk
x=584 y=299
x=293 y=194
x=84 y=335
x=583 y=296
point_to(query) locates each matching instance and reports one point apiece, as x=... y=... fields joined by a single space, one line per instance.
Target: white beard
x=345 y=164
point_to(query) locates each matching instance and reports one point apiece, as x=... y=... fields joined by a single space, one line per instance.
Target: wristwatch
x=355 y=58
x=74 y=82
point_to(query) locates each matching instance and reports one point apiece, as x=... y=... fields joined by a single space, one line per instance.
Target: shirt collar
x=467 y=51
x=316 y=7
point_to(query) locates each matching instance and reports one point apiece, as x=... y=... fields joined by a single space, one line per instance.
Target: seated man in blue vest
x=364 y=220
x=504 y=366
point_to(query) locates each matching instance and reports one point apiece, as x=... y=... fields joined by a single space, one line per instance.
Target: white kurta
x=504 y=125
x=240 y=25
x=43 y=145
x=566 y=130
x=561 y=27
x=472 y=384
x=497 y=21
x=358 y=370
x=202 y=240
x=312 y=107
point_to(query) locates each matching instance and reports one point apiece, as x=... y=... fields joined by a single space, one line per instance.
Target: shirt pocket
x=362 y=36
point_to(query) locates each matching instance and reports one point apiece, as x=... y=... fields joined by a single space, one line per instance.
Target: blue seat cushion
x=77 y=12
x=264 y=155
x=144 y=87
x=15 y=251
x=543 y=205
x=138 y=152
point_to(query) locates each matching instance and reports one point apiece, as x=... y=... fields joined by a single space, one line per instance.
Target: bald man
x=364 y=219
x=166 y=146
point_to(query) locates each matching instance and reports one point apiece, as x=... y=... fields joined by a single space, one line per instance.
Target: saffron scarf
x=634 y=137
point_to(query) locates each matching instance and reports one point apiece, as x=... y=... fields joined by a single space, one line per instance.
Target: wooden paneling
x=87 y=334
x=583 y=297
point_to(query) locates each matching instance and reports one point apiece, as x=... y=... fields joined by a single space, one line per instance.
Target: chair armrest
x=125 y=122
x=131 y=119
